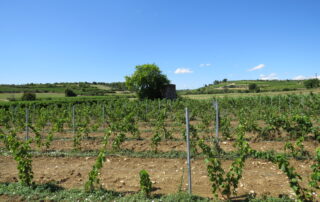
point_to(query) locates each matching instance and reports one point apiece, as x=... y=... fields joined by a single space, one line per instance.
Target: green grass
x=241 y=86
x=5 y=96
x=53 y=192
x=56 y=90
x=264 y=85
x=103 y=87
x=80 y=88
x=212 y=96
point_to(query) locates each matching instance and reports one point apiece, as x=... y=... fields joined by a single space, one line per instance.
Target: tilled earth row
x=167 y=175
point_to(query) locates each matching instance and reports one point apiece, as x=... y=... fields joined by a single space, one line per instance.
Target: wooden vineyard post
x=188 y=151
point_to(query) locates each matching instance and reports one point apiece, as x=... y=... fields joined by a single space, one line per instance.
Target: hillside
x=219 y=88
x=82 y=88
x=56 y=90
x=242 y=86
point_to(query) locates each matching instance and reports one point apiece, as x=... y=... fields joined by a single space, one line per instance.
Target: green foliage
x=52 y=192
x=297 y=149
x=294 y=118
x=147 y=81
x=216 y=82
x=298 y=125
x=145 y=183
x=49 y=139
x=130 y=125
x=81 y=88
x=93 y=180
x=28 y=96
x=194 y=138
x=77 y=138
x=225 y=183
x=205 y=122
x=69 y=93
x=160 y=126
x=116 y=135
x=225 y=127
x=118 y=140
x=38 y=137
x=315 y=176
x=253 y=86
x=155 y=140
x=293 y=177
x=312 y=83
x=21 y=154
x=241 y=86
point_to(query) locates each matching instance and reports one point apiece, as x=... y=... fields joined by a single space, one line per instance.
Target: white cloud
x=183 y=71
x=271 y=76
x=205 y=65
x=257 y=67
x=300 y=77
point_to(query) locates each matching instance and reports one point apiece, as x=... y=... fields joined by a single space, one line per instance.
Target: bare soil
x=169 y=145
x=122 y=174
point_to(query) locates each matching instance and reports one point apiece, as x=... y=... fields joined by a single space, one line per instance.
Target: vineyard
x=241 y=148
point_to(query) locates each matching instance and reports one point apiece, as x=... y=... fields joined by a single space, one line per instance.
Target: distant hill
x=242 y=86
x=81 y=88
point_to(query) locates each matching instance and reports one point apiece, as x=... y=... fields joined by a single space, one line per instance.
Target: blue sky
x=194 y=42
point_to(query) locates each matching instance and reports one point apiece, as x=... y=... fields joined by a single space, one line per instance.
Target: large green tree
x=312 y=83
x=148 y=81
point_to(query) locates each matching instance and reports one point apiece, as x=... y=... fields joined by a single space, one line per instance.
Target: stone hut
x=169 y=92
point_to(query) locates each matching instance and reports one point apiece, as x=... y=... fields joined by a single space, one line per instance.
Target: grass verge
x=52 y=192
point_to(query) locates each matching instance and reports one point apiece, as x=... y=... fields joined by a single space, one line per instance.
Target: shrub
x=28 y=96
x=252 y=86
x=312 y=83
x=145 y=183
x=69 y=93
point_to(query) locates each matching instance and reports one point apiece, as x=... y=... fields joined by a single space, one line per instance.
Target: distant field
x=5 y=96
x=102 y=87
x=264 y=85
x=80 y=88
x=211 y=96
x=242 y=86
